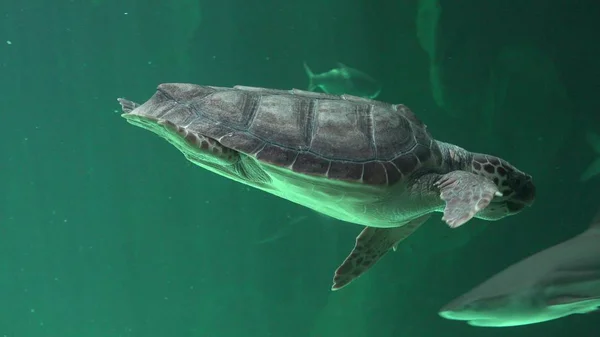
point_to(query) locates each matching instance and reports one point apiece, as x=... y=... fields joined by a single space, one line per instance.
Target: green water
x=106 y=230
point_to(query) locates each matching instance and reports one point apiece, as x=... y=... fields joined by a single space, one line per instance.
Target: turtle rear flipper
x=371 y=245
x=465 y=194
x=200 y=148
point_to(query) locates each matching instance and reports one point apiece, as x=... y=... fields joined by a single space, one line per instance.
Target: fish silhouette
x=557 y=282
x=343 y=80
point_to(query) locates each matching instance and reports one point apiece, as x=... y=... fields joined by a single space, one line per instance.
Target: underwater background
x=106 y=230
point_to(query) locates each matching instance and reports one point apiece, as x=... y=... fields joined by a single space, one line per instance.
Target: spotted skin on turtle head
x=512 y=183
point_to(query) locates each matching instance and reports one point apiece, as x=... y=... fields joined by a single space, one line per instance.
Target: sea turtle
x=357 y=160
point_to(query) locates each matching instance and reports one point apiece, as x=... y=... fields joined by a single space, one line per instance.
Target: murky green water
x=107 y=230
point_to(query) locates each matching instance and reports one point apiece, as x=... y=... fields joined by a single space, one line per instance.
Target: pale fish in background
x=286 y=229
x=557 y=282
x=343 y=80
x=427 y=23
x=594 y=168
x=428 y=17
x=283 y=231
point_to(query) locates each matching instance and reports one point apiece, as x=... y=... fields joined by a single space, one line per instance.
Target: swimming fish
x=557 y=282
x=283 y=231
x=428 y=19
x=594 y=168
x=343 y=80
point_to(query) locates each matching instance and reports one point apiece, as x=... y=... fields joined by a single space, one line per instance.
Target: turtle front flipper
x=465 y=194
x=371 y=245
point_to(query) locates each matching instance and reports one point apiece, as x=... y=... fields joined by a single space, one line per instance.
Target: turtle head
x=517 y=187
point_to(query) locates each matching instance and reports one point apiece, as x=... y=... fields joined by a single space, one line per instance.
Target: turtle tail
x=311 y=78
x=126 y=105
